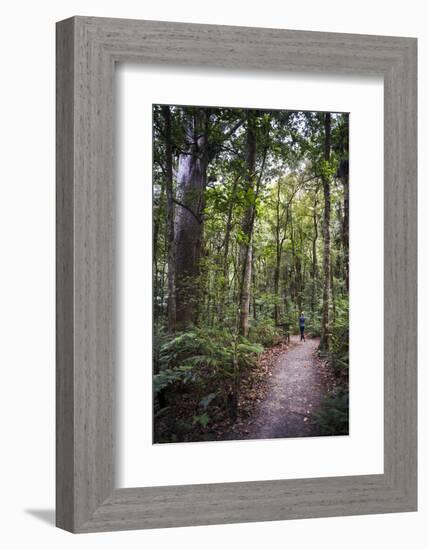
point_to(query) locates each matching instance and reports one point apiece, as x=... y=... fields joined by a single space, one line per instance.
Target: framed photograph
x=240 y=307
x=236 y=274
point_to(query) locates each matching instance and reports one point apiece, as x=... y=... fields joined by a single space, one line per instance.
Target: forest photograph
x=250 y=273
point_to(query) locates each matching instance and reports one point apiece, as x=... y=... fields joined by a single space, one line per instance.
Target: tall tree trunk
x=170 y=220
x=276 y=287
x=325 y=330
x=345 y=228
x=245 y=254
x=344 y=177
x=253 y=268
x=279 y=242
x=156 y=274
x=332 y=293
x=314 y=258
x=286 y=290
x=190 y=203
x=297 y=268
x=278 y=256
x=225 y=282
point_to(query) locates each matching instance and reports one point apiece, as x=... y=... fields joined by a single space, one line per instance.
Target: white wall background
x=27 y=271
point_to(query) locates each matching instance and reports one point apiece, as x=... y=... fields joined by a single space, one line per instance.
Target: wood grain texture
x=64 y=276
x=87 y=49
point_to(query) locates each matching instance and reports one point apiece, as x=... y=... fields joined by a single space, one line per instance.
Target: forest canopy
x=250 y=232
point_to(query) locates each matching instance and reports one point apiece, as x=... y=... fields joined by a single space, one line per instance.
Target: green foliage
x=169 y=376
x=200 y=356
x=265 y=333
x=191 y=364
x=327 y=169
x=275 y=204
x=313 y=325
x=333 y=416
x=202 y=419
x=339 y=353
x=205 y=401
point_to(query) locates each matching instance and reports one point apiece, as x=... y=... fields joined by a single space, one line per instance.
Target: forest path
x=294 y=391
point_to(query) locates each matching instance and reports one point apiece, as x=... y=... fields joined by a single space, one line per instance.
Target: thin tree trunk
x=225 y=283
x=332 y=293
x=325 y=331
x=276 y=289
x=278 y=256
x=254 y=287
x=297 y=273
x=245 y=295
x=314 y=258
x=156 y=226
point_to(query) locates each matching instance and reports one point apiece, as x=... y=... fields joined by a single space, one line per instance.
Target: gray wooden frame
x=87 y=50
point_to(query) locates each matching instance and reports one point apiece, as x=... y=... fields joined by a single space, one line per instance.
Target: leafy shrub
x=265 y=333
x=189 y=366
x=339 y=352
x=169 y=376
x=313 y=324
x=202 y=419
x=333 y=415
x=202 y=355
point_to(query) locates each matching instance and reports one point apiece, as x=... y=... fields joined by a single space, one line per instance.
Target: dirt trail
x=295 y=390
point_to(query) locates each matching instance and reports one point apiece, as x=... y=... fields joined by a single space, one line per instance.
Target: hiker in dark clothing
x=302 y=326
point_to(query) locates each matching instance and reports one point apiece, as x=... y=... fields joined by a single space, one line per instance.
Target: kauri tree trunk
x=190 y=203
x=170 y=237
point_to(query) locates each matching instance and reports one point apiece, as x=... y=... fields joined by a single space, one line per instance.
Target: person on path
x=302 y=326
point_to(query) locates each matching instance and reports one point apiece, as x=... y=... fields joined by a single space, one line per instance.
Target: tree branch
x=197 y=218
